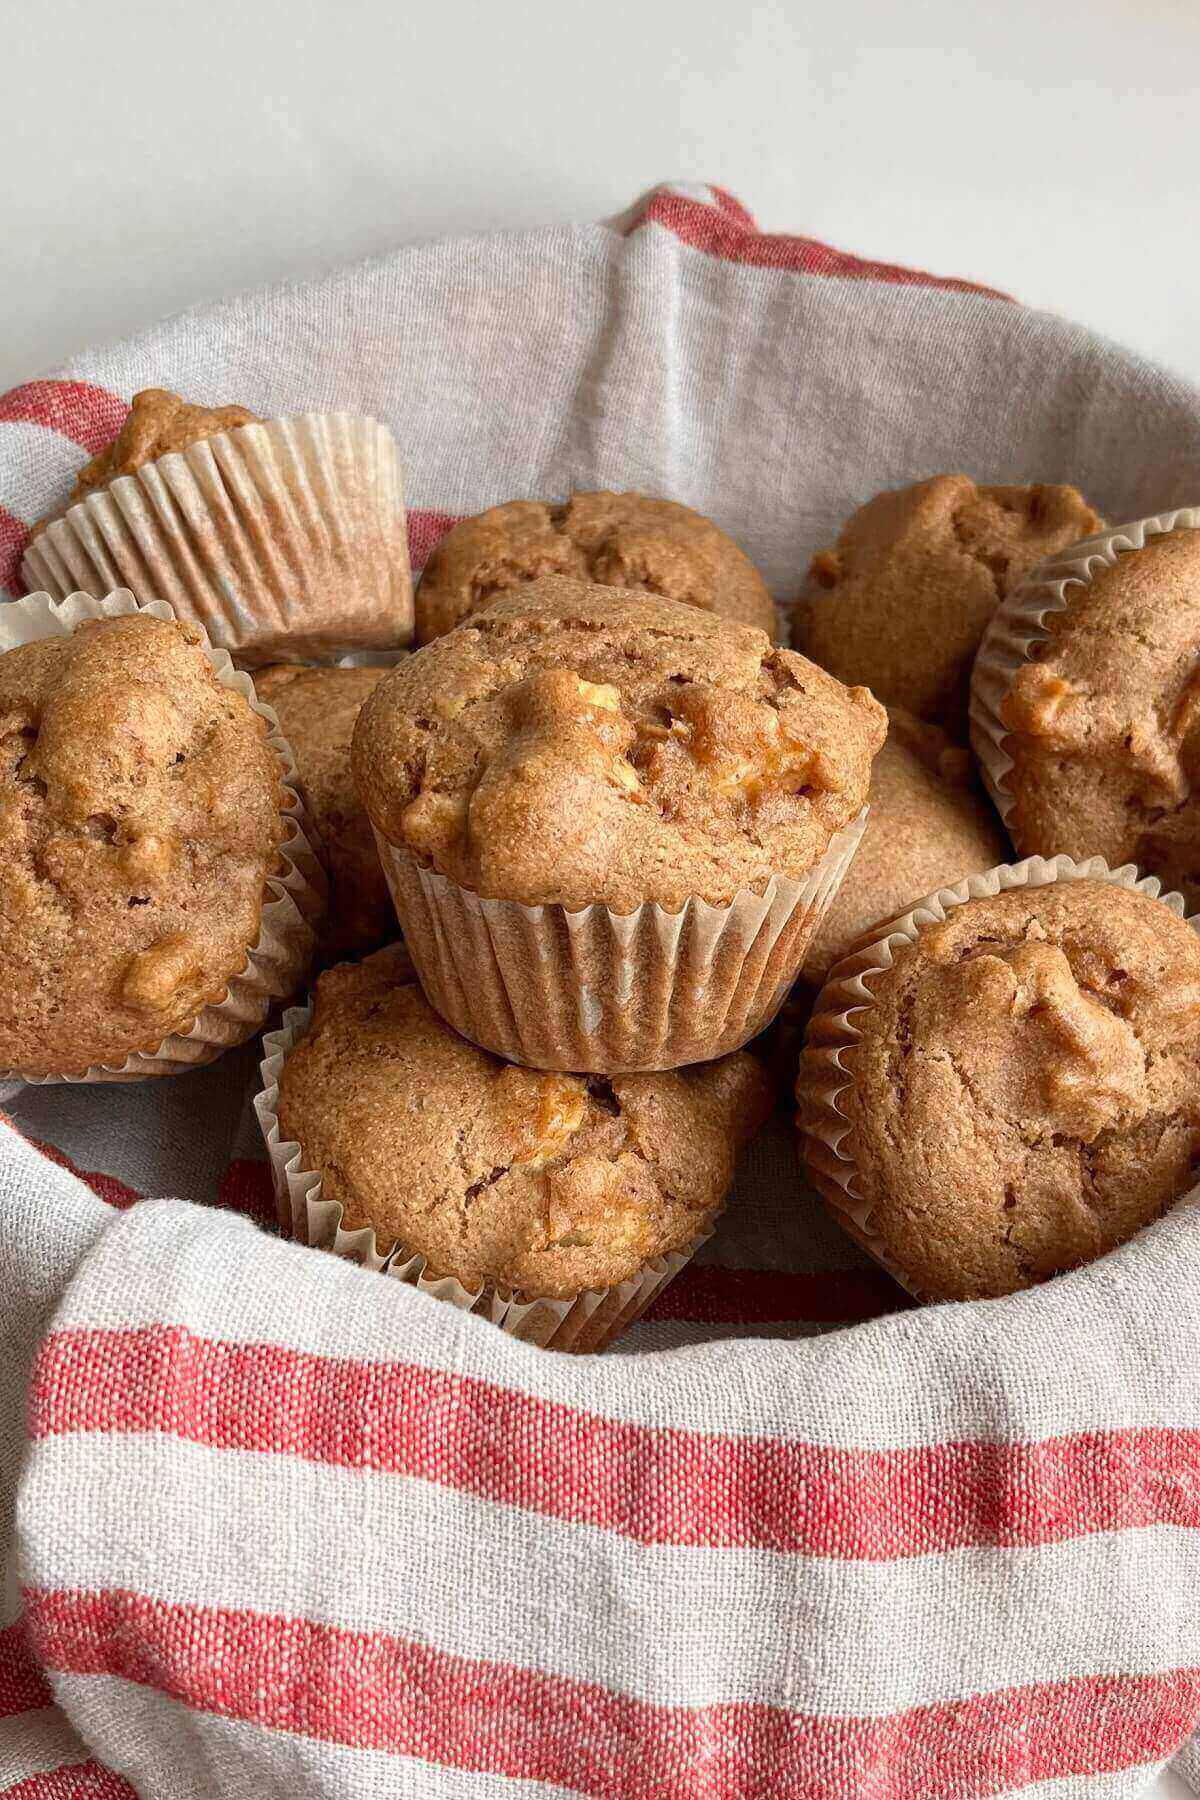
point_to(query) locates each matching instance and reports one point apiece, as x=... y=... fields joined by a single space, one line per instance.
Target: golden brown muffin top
x=139 y=819
x=317 y=709
x=1026 y=1093
x=929 y=824
x=158 y=423
x=619 y=540
x=1104 y=726
x=544 y=1184
x=575 y=743
x=903 y=598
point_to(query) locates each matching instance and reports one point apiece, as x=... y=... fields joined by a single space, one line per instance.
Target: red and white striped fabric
x=276 y=1527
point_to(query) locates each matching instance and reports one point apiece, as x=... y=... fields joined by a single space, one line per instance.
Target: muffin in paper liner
x=295 y=891
x=587 y=1322
x=280 y=539
x=605 y=993
x=824 y=1076
x=1020 y=625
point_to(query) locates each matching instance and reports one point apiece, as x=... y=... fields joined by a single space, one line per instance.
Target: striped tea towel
x=277 y=1527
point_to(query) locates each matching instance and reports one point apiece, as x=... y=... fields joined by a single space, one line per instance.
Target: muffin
x=316 y=709
x=610 y=822
x=902 y=599
x=278 y=536
x=630 y=541
x=1009 y=1086
x=1087 y=718
x=158 y=424
x=143 y=819
x=928 y=825
x=518 y=1185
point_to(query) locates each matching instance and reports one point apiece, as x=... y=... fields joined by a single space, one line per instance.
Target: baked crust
x=575 y=743
x=139 y=819
x=158 y=423
x=929 y=824
x=1026 y=1088
x=542 y=1184
x=1104 y=726
x=903 y=598
x=620 y=540
x=317 y=709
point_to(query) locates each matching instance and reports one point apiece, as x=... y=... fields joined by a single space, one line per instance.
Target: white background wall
x=155 y=152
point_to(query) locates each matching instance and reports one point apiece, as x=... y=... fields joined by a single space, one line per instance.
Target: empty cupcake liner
x=1020 y=625
x=281 y=538
x=601 y=992
x=586 y=1322
x=295 y=891
x=825 y=1075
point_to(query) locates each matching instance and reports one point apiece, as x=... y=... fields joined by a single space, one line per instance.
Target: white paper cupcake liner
x=1020 y=625
x=295 y=891
x=587 y=1322
x=285 y=538
x=834 y=1029
x=606 y=993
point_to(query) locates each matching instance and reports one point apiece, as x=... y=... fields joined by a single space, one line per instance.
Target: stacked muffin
x=610 y=823
x=614 y=819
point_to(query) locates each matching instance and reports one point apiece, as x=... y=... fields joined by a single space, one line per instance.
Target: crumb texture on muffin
x=317 y=708
x=1104 y=725
x=619 y=540
x=139 y=819
x=158 y=423
x=903 y=598
x=574 y=744
x=542 y=1184
x=1026 y=1091
x=929 y=824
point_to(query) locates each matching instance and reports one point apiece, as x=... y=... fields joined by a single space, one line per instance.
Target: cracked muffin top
x=544 y=1184
x=903 y=598
x=139 y=819
x=929 y=824
x=1104 y=724
x=317 y=709
x=1026 y=1093
x=575 y=743
x=620 y=540
x=158 y=423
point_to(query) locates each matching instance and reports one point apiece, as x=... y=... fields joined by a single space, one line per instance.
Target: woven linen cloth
x=275 y=1526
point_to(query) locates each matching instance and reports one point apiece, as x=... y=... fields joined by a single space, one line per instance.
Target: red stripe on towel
x=372 y=1691
x=718 y=232
x=23 y=1685
x=72 y=1781
x=90 y=416
x=646 y=1483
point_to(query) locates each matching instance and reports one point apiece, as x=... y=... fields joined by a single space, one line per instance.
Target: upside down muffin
x=158 y=424
x=619 y=540
x=140 y=816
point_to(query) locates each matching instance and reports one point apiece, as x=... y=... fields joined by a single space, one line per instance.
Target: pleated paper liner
x=586 y=1322
x=281 y=539
x=826 y=1067
x=1021 y=624
x=600 y=992
x=295 y=892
